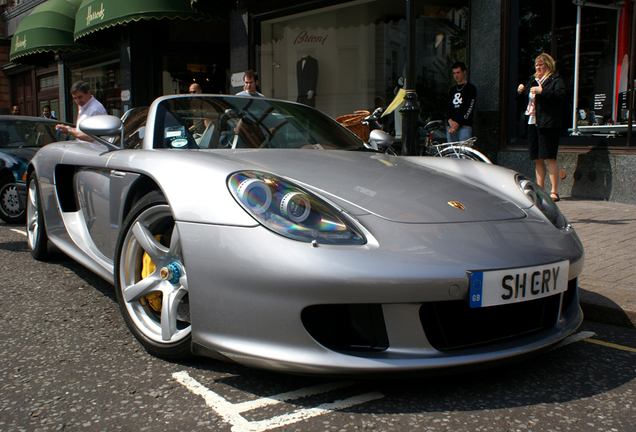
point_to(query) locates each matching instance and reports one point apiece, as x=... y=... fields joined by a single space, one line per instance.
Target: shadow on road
x=90 y=278
x=570 y=373
x=19 y=246
x=596 y=307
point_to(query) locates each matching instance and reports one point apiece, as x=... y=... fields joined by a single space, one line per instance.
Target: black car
x=20 y=138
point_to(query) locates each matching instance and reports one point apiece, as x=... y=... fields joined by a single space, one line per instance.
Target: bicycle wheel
x=460 y=152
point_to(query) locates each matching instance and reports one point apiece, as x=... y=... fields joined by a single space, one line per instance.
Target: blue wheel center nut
x=172 y=273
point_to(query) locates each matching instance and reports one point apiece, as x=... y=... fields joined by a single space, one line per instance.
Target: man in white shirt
x=88 y=107
x=250 y=81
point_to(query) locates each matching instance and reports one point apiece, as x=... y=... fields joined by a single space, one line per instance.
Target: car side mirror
x=103 y=125
x=380 y=140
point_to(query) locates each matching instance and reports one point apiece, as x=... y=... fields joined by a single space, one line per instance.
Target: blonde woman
x=545 y=93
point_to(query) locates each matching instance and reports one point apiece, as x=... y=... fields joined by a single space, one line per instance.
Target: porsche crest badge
x=457 y=205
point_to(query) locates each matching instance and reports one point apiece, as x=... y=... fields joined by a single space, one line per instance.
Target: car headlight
x=291 y=211
x=542 y=201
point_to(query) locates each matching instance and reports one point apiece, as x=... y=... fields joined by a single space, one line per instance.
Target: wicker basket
x=353 y=122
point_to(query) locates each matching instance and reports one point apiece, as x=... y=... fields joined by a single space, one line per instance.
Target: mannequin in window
x=307 y=75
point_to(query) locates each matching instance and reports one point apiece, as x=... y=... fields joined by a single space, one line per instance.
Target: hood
x=389 y=187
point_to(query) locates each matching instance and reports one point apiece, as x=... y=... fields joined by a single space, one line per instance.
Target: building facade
x=129 y=52
x=342 y=56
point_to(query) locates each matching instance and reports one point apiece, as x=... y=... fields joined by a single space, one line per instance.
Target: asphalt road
x=69 y=363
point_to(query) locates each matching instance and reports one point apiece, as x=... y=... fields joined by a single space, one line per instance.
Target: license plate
x=498 y=287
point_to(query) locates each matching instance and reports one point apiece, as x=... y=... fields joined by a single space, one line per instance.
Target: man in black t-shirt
x=460 y=106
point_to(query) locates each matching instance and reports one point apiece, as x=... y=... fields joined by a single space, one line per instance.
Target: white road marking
x=231 y=412
x=19 y=231
x=574 y=338
x=296 y=394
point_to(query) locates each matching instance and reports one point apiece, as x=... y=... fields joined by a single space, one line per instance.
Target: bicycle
x=367 y=127
x=456 y=149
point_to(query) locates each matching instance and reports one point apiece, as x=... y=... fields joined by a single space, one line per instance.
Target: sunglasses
x=192 y=91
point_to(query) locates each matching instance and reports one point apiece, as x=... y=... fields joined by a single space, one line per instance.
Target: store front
x=129 y=52
x=352 y=56
x=590 y=43
x=359 y=50
x=36 y=35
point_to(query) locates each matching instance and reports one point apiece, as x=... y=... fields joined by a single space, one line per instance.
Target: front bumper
x=251 y=290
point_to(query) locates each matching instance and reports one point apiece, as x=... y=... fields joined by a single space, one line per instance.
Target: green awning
x=95 y=15
x=47 y=29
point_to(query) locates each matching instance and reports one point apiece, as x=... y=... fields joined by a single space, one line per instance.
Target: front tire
x=151 y=280
x=37 y=239
x=10 y=209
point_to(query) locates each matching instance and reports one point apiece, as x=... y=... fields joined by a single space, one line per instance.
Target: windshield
x=134 y=121
x=27 y=133
x=240 y=122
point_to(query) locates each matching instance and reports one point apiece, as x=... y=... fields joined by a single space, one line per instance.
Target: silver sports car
x=262 y=232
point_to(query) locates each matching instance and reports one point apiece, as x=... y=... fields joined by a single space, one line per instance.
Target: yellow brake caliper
x=154 y=299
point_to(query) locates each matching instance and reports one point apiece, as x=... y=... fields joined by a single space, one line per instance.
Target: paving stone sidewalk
x=608 y=282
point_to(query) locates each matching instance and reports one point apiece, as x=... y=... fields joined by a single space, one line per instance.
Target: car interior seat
x=249 y=133
x=5 y=138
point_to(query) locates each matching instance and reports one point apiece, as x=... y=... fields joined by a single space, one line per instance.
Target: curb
x=599 y=308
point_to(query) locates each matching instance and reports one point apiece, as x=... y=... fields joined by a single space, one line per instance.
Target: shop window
x=49 y=82
x=352 y=56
